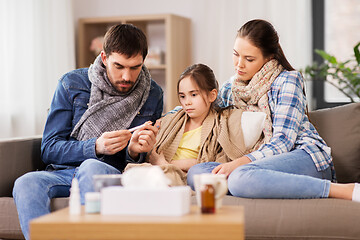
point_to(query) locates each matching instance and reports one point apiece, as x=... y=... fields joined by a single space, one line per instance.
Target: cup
x=218 y=181
x=106 y=180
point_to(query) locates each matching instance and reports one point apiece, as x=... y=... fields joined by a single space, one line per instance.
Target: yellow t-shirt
x=189 y=145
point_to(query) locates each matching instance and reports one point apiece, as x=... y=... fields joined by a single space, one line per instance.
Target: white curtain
x=37 y=47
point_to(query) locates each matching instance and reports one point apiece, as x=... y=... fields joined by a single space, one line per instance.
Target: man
x=86 y=129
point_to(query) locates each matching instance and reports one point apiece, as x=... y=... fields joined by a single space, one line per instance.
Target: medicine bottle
x=92 y=202
x=74 y=200
x=207 y=196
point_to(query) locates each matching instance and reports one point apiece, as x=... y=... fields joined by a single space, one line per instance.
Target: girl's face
x=247 y=59
x=194 y=101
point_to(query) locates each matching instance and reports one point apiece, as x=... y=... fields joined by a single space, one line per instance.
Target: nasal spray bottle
x=74 y=202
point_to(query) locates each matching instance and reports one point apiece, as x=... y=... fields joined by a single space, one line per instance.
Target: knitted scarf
x=253 y=96
x=217 y=142
x=110 y=110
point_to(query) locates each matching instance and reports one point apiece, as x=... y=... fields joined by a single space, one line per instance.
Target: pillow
x=252 y=124
x=340 y=128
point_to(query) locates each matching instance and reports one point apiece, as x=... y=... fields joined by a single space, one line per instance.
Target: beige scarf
x=253 y=96
x=217 y=142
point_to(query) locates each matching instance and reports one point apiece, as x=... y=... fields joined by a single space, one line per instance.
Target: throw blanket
x=217 y=143
x=252 y=96
x=110 y=110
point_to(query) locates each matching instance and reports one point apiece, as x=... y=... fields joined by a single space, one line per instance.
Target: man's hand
x=142 y=140
x=110 y=143
x=227 y=168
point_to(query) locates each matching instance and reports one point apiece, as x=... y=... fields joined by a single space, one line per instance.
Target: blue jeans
x=288 y=175
x=33 y=191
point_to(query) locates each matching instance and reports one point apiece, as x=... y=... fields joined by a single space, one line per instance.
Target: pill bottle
x=207 y=196
x=92 y=202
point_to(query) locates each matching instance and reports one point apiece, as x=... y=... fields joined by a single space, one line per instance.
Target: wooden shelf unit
x=171 y=34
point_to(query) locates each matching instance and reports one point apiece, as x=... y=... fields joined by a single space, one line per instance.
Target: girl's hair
x=264 y=36
x=202 y=75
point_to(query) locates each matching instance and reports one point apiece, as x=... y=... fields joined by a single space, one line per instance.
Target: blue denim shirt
x=69 y=103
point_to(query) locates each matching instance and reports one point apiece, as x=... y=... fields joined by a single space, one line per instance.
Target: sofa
x=264 y=218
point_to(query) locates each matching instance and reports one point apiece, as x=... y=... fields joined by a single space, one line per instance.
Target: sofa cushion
x=9 y=221
x=299 y=218
x=340 y=128
x=18 y=156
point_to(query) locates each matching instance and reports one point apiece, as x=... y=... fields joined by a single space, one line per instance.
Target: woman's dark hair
x=202 y=75
x=125 y=39
x=264 y=36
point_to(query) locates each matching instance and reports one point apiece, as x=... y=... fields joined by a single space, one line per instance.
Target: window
x=335 y=29
x=342 y=24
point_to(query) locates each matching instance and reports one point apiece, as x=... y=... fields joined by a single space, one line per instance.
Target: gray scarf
x=110 y=110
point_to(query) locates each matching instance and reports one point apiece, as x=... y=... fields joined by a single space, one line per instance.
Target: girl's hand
x=227 y=168
x=157 y=159
x=142 y=140
x=184 y=164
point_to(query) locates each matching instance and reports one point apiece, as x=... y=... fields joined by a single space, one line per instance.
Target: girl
x=293 y=161
x=192 y=135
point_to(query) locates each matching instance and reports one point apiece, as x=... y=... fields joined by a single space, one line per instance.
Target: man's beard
x=124 y=89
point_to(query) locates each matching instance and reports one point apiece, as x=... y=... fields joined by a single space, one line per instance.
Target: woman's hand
x=227 y=168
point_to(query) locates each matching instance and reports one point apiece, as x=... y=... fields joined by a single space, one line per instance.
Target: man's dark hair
x=125 y=39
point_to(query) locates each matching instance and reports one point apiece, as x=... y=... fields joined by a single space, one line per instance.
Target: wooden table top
x=228 y=220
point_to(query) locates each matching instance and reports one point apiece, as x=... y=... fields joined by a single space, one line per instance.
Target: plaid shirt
x=291 y=126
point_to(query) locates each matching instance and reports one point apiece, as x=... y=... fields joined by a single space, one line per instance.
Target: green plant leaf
x=345 y=76
x=357 y=53
x=326 y=56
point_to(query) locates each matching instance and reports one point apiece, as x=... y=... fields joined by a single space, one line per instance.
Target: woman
x=292 y=160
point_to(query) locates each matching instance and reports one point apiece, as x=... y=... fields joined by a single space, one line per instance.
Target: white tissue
x=145 y=177
x=252 y=124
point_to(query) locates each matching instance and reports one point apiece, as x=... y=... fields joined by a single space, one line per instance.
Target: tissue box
x=172 y=201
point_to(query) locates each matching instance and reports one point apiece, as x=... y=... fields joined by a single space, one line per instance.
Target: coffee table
x=227 y=223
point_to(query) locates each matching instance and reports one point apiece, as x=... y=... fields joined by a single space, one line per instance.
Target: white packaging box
x=173 y=201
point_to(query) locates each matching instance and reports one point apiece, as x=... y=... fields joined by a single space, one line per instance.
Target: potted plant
x=345 y=76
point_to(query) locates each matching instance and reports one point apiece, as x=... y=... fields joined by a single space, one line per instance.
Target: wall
x=215 y=22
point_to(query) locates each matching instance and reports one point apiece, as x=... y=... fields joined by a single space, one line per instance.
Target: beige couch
x=264 y=218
